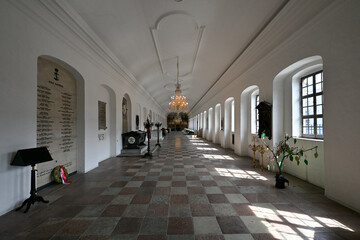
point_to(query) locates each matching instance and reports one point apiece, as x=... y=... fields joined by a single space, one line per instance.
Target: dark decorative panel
x=265 y=119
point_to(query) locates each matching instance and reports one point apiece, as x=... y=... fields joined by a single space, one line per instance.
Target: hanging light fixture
x=178 y=103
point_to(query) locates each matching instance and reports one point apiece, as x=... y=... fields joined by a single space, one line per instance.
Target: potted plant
x=283 y=151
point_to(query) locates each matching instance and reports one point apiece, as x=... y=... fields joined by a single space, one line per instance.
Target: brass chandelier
x=178 y=103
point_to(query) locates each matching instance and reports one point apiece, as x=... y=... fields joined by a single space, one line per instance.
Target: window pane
x=305 y=130
x=320 y=131
x=305 y=111
x=304 y=91
x=305 y=102
x=311 y=101
x=319 y=122
x=319 y=109
x=306 y=122
x=311 y=111
x=319 y=99
x=319 y=87
x=311 y=126
x=318 y=77
x=320 y=127
x=304 y=83
x=310 y=89
x=310 y=80
x=305 y=126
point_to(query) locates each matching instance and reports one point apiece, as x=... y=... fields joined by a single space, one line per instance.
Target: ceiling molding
x=155 y=37
x=282 y=22
x=63 y=12
x=234 y=66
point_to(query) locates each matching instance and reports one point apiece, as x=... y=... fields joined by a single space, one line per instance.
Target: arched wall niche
x=205 y=128
x=64 y=97
x=150 y=115
x=126 y=114
x=138 y=117
x=227 y=122
x=245 y=118
x=145 y=115
x=253 y=113
x=211 y=125
x=217 y=123
x=287 y=117
x=284 y=90
x=107 y=137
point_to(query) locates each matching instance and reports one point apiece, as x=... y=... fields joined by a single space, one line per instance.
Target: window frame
x=314 y=116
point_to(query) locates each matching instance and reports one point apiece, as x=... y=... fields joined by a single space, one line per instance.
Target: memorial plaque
x=102 y=115
x=56 y=118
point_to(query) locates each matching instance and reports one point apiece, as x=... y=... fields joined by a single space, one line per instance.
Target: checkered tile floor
x=191 y=189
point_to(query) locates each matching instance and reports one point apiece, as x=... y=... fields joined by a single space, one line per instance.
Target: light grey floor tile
x=135 y=210
x=213 y=190
x=102 y=226
x=256 y=225
x=223 y=209
x=198 y=199
x=236 y=198
x=238 y=237
x=206 y=225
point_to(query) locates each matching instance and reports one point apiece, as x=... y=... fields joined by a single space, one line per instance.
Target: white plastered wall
x=334 y=35
x=25 y=37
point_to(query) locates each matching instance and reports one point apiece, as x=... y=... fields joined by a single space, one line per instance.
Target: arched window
x=233 y=116
x=290 y=104
x=247 y=118
x=312 y=105
x=254 y=112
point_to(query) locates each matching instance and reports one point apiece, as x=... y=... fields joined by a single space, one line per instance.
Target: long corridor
x=191 y=189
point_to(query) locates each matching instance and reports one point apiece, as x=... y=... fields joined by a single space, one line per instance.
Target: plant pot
x=280 y=181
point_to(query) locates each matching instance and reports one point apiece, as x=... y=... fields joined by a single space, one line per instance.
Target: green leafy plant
x=284 y=151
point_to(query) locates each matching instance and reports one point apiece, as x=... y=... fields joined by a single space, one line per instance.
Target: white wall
x=29 y=31
x=334 y=35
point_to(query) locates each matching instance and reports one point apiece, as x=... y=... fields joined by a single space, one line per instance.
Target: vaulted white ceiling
x=147 y=36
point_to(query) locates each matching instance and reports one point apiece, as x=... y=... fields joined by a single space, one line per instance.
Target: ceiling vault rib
x=78 y=26
x=155 y=40
x=245 y=48
x=198 y=41
x=155 y=37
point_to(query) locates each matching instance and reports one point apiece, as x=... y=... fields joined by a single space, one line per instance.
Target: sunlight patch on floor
x=200 y=144
x=222 y=157
x=332 y=223
x=238 y=173
x=207 y=149
x=286 y=225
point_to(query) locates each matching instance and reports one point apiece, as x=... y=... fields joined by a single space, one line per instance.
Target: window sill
x=310 y=139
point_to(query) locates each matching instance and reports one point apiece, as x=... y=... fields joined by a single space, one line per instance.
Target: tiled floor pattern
x=190 y=190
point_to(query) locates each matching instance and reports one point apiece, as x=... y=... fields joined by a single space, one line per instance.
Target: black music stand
x=27 y=157
x=158 y=125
